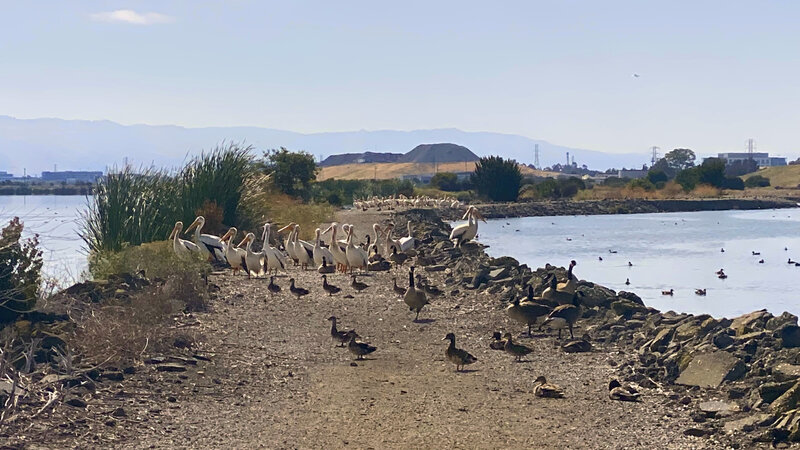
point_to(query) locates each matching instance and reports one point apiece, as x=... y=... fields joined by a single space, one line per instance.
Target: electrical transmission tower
x=654 y=158
x=751 y=147
x=536 y=156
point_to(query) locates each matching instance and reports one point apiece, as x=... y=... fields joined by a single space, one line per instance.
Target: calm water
x=56 y=218
x=669 y=250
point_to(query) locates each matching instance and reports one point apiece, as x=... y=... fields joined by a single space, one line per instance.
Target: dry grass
x=385 y=171
x=781 y=176
x=671 y=190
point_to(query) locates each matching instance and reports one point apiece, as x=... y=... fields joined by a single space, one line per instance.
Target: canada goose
x=397 y=289
x=359 y=348
x=296 y=291
x=571 y=284
x=564 y=315
x=612 y=251
x=457 y=356
x=669 y=292
x=329 y=288
x=528 y=312
x=517 y=350
x=498 y=343
x=325 y=268
x=342 y=337
x=272 y=287
x=413 y=297
x=581 y=345
x=627 y=281
x=616 y=391
x=552 y=292
x=790 y=261
x=358 y=285
x=541 y=388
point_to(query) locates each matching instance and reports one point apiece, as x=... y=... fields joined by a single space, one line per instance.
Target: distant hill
x=355 y=158
x=780 y=176
x=384 y=171
x=438 y=153
x=38 y=144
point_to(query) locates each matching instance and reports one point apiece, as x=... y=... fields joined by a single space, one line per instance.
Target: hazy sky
x=712 y=73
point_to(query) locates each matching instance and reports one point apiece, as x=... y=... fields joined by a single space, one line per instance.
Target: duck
x=359 y=348
x=630 y=264
x=431 y=290
x=325 y=268
x=398 y=258
x=756 y=253
x=397 y=289
x=599 y=258
x=296 y=291
x=527 y=313
x=498 y=343
x=720 y=272
x=700 y=292
x=624 y=393
x=564 y=315
x=272 y=287
x=329 y=288
x=358 y=285
x=627 y=281
x=517 y=350
x=790 y=261
x=342 y=337
x=722 y=250
x=571 y=284
x=722 y=276
x=457 y=356
x=669 y=292
x=581 y=345
x=761 y=261
x=541 y=388
x=413 y=297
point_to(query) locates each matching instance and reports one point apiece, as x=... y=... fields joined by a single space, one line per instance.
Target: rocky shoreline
x=741 y=376
x=631 y=206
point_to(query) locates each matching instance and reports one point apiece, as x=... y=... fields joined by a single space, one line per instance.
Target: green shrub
x=641 y=183
x=757 y=181
x=497 y=179
x=20 y=271
x=156 y=259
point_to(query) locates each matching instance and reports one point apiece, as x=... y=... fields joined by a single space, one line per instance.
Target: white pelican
x=183 y=248
x=234 y=255
x=407 y=243
x=320 y=252
x=210 y=246
x=303 y=250
x=356 y=257
x=288 y=244
x=274 y=257
x=339 y=255
x=467 y=231
x=392 y=245
x=254 y=262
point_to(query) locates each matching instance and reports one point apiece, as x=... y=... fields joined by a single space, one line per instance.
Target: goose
x=627 y=281
x=541 y=388
x=358 y=285
x=498 y=343
x=761 y=261
x=431 y=290
x=528 y=312
x=467 y=231
x=337 y=251
x=457 y=356
x=790 y=261
x=235 y=255
x=397 y=289
x=407 y=243
x=581 y=345
x=564 y=315
x=720 y=272
x=254 y=261
x=274 y=257
x=320 y=253
x=296 y=291
x=183 y=248
x=325 y=268
x=303 y=250
x=413 y=297
x=624 y=393
x=288 y=243
x=552 y=292
x=517 y=350
x=669 y=292
x=211 y=247
x=356 y=257
x=342 y=337
x=756 y=253
x=359 y=348
x=570 y=285
x=700 y=292
x=329 y=288
x=272 y=287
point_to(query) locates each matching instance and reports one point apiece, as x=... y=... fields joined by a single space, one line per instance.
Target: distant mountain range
x=39 y=144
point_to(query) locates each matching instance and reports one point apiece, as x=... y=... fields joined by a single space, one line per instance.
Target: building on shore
x=5 y=175
x=632 y=173
x=71 y=177
x=762 y=159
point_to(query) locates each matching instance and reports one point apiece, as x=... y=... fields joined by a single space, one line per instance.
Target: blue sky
x=712 y=73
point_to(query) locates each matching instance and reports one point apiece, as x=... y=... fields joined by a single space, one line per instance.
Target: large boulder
x=596 y=295
x=772 y=390
x=786 y=371
x=748 y=323
x=711 y=369
x=630 y=296
x=627 y=308
x=787 y=401
x=790 y=336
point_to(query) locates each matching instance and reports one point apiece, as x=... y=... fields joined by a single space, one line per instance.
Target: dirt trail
x=275 y=379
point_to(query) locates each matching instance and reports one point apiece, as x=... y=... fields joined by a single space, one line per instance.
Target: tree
x=292 y=172
x=657 y=176
x=497 y=178
x=741 y=167
x=680 y=159
x=757 y=181
x=712 y=172
x=446 y=181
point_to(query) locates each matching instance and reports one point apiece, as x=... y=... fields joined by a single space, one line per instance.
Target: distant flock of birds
x=393 y=202
x=558 y=306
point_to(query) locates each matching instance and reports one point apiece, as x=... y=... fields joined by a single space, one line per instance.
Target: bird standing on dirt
x=413 y=297
x=329 y=288
x=272 y=287
x=457 y=356
x=498 y=343
x=517 y=350
x=397 y=289
x=296 y=291
x=342 y=337
x=358 y=285
x=359 y=348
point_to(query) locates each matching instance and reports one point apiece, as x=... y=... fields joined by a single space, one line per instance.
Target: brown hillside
x=385 y=171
